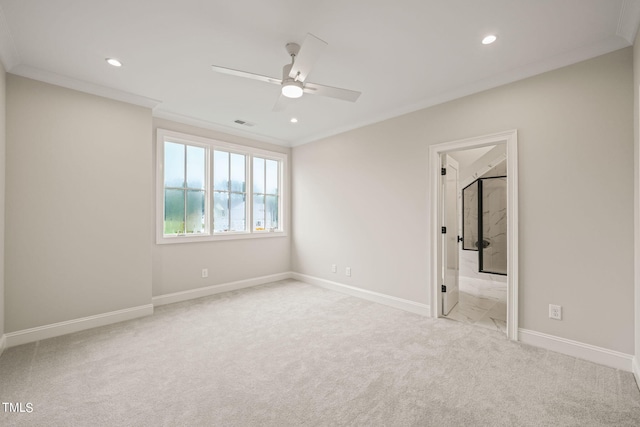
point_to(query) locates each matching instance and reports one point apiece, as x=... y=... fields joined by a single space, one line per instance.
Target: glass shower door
x=485 y=223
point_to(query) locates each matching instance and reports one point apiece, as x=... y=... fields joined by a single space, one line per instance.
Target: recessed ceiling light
x=294 y=120
x=114 y=62
x=489 y=39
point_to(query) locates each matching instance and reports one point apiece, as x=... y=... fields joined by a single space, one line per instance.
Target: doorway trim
x=510 y=140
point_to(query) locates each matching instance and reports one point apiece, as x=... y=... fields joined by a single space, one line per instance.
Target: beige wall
x=3 y=145
x=636 y=198
x=78 y=205
x=360 y=198
x=178 y=267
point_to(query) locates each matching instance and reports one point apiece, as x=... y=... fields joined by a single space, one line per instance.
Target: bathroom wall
x=494 y=225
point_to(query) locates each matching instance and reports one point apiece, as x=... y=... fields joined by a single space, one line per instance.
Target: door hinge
x=444 y=230
x=443 y=171
x=444 y=288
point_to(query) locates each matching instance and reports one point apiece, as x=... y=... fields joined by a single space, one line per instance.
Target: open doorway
x=461 y=277
x=475 y=213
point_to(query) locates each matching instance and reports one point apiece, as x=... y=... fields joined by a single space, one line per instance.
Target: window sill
x=193 y=238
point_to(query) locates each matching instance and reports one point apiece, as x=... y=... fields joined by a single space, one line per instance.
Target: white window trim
x=212 y=144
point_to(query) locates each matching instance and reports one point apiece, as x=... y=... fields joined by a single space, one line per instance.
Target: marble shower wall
x=494 y=224
x=470 y=218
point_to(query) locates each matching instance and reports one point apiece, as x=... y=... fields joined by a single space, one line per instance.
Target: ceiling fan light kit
x=292 y=89
x=293 y=83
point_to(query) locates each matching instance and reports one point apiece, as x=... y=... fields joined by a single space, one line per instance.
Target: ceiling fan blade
x=310 y=50
x=332 y=92
x=281 y=103
x=239 y=73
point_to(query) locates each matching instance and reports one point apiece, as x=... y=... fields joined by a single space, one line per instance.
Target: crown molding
x=629 y=20
x=82 y=86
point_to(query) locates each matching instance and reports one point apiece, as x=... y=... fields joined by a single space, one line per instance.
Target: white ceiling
x=402 y=55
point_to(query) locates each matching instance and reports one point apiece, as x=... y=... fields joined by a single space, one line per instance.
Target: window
x=184 y=189
x=266 y=177
x=229 y=191
x=211 y=190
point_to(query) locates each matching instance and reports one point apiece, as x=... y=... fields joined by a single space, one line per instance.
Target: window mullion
x=249 y=193
x=212 y=192
x=184 y=191
x=278 y=189
x=208 y=191
x=264 y=196
x=229 y=192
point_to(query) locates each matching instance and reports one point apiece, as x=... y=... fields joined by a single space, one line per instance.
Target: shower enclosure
x=484 y=223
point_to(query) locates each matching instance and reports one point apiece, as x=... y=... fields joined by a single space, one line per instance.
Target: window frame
x=186 y=188
x=253 y=194
x=247 y=163
x=210 y=146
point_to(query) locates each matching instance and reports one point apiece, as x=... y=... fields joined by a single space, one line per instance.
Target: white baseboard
x=636 y=370
x=56 y=329
x=402 y=304
x=3 y=343
x=602 y=356
x=217 y=289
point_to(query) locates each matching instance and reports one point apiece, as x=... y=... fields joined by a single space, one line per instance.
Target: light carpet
x=291 y=354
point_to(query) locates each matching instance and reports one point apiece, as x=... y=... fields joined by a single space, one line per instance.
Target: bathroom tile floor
x=482 y=303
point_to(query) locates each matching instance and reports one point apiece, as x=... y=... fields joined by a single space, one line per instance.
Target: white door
x=450 y=268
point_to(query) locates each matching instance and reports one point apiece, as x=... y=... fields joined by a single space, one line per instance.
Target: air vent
x=244 y=123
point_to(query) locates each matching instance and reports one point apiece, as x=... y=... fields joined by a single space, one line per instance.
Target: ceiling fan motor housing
x=293 y=49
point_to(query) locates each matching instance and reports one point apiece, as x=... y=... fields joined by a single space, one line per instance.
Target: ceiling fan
x=293 y=83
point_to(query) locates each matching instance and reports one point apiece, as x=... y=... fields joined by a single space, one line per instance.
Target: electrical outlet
x=347 y=271
x=334 y=268
x=555 y=312
x=205 y=273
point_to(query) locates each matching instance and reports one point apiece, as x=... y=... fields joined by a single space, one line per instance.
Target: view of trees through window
x=265 y=194
x=184 y=189
x=207 y=189
x=229 y=191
